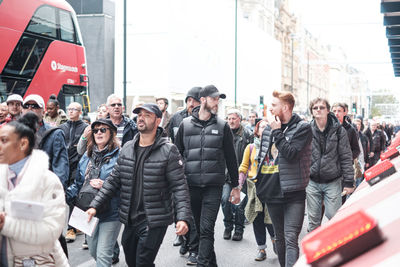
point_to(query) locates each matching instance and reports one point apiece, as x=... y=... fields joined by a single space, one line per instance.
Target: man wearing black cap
x=192 y=100
x=206 y=143
x=148 y=173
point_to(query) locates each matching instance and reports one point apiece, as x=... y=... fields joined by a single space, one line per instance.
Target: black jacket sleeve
x=291 y=150
x=230 y=156
x=179 y=140
x=178 y=185
x=345 y=158
x=110 y=186
x=353 y=139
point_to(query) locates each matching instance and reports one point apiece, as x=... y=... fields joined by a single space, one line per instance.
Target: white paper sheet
x=27 y=210
x=79 y=220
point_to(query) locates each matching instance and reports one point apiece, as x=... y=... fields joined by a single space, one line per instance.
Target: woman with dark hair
x=93 y=169
x=26 y=178
x=256 y=212
x=54 y=115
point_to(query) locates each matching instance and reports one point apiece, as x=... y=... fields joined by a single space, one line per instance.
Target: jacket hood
x=160 y=139
x=195 y=115
x=333 y=122
x=294 y=119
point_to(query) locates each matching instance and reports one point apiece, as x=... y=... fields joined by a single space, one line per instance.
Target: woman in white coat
x=25 y=176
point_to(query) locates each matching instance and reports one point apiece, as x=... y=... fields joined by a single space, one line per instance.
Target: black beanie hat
x=194 y=93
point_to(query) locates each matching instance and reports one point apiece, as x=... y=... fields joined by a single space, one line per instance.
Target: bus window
x=10 y=86
x=43 y=22
x=71 y=93
x=66 y=27
x=78 y=36
x=26 y=57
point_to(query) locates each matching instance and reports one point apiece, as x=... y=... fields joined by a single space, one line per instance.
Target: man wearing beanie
x=192 y=100
x=191 y=242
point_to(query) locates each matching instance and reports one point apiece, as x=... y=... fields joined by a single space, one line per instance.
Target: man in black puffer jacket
x=331 y=163
x=149 y=172
x=283 y=173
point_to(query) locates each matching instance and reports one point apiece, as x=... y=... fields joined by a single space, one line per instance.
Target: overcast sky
x=356 y=26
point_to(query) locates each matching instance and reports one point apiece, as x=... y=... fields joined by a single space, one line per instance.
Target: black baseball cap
x=106 y=122
x=212 y=91
x=150 y=107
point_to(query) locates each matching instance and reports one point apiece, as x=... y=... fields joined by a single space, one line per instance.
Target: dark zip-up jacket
x=163 y=179
x=241 y=139
x=73 y=131
x=207 y=147
x=174 y=123
x=294 y=157
x=353 y=138
x=130 y=130
x=52 y=141
x=331 y=154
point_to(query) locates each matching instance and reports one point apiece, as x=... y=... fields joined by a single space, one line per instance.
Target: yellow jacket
x=244 y=166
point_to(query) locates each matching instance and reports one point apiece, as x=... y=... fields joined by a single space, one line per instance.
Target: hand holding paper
x=80 y=220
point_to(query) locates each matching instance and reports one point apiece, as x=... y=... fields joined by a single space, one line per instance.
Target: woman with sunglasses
x=255 y=211
x=94 y=167
x=25 y=178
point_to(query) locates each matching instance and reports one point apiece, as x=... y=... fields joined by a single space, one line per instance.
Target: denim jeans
x=233 y=214
x=287 y=219
x=101 y=243
x=205 y=203
x=259 y=230
x=141 y=244
x=329 y=194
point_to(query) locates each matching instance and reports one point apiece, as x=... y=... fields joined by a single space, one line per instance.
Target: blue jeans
x=233 y=214
x=329 y=194
x=101 y=243
x=259 y=230
x=287 y=219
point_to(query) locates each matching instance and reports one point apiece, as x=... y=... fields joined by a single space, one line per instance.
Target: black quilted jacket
x=163 y=179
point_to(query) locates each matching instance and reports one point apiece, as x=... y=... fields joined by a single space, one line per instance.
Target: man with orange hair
x=283 y=173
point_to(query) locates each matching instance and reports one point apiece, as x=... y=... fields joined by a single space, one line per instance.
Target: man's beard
x=147 y=128
x=209 y=109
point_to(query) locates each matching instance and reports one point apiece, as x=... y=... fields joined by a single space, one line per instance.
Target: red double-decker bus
x=41 y=51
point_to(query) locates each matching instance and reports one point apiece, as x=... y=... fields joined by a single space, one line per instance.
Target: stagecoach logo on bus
x=58 y=66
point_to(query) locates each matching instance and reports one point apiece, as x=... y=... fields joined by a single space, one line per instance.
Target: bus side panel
x=16 y=14
x=58 y=67
x=9 y=39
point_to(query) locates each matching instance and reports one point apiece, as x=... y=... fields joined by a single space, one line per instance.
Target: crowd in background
x=157 y=168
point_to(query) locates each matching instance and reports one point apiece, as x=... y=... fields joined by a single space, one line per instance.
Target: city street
x=229 y=253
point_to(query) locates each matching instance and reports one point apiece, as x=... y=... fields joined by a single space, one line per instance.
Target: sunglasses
x=33 y=106
x=116 y=104
x=319 y=107
x=102 y=130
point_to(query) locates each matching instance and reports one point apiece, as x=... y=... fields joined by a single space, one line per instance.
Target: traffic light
x=261 y=102
x=354 y=107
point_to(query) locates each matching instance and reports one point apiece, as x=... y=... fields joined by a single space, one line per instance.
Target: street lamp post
x=308 y=81
x=235 y=50
x=124 y=82
x=291 y=81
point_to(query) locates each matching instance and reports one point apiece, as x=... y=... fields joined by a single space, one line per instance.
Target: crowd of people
x=147 y=172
